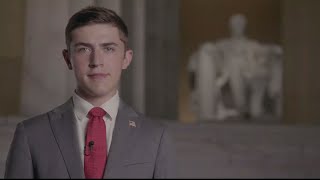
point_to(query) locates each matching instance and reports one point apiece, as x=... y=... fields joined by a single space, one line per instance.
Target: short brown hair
x=96 y=15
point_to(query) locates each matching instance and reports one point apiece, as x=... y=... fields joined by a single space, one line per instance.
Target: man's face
x=97 y=55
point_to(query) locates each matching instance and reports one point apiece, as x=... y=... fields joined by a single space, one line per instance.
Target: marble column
x=76 y=5
x=46 y=81
x=138 y=38
x=133 y=79
x=301 y=39
x=162 y=58
x=114 y=5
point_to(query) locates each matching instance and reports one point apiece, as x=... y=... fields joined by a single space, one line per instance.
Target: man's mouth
x=98 y=75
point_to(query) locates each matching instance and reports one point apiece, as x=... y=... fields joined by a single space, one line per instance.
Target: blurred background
x=164 y=34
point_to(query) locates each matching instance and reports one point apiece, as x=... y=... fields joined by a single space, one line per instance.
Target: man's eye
x=109 y=49
x=83 y=49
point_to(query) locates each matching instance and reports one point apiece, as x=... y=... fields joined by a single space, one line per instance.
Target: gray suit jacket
x=46 y=146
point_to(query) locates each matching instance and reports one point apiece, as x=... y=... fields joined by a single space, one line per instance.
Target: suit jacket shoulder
x=43 y=146
x=41 y=121
x=140 y=148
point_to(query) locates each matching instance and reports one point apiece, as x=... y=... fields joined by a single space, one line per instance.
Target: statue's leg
x=237 y=89
x=278 y=106
x=220 y=108
x=258 y=90
x=206 y=87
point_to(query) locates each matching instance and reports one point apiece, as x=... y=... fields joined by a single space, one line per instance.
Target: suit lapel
x=124 y=134
x=64 y=129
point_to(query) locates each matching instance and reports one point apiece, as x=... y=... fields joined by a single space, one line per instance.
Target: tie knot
x=97 y=112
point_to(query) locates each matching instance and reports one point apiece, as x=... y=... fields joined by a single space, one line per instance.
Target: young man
x=94 y=134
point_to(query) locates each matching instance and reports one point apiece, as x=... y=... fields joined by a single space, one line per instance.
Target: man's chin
x=97 y=91
x=101 y=93
x=98 y=94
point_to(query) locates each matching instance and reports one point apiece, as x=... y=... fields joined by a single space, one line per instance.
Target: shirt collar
x=82 y=107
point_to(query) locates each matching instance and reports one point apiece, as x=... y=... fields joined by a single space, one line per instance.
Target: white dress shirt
x=81 y=109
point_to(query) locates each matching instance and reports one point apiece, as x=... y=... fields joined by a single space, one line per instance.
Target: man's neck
x=95 y=100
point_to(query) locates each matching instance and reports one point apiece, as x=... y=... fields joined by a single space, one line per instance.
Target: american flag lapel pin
x=132 y=124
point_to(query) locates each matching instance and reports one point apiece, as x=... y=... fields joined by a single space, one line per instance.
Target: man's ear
x=66 y=57
x=127 y=59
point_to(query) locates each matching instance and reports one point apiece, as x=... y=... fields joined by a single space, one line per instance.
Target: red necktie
x=95 y=152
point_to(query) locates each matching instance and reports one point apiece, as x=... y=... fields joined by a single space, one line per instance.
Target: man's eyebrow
x=82 y=44
x=90 y=45
x=109 y=44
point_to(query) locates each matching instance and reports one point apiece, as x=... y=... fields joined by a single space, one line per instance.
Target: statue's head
x=237 y=25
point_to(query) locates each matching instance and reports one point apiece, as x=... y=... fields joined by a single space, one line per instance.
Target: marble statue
x=251 y=69
x=209 y=78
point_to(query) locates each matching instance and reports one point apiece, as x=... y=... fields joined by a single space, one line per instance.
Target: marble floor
x=231 y=149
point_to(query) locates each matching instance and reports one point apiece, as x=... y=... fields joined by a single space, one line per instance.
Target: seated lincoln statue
x=250 y=69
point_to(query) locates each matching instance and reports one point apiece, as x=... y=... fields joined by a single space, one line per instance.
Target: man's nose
x=96 y=59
